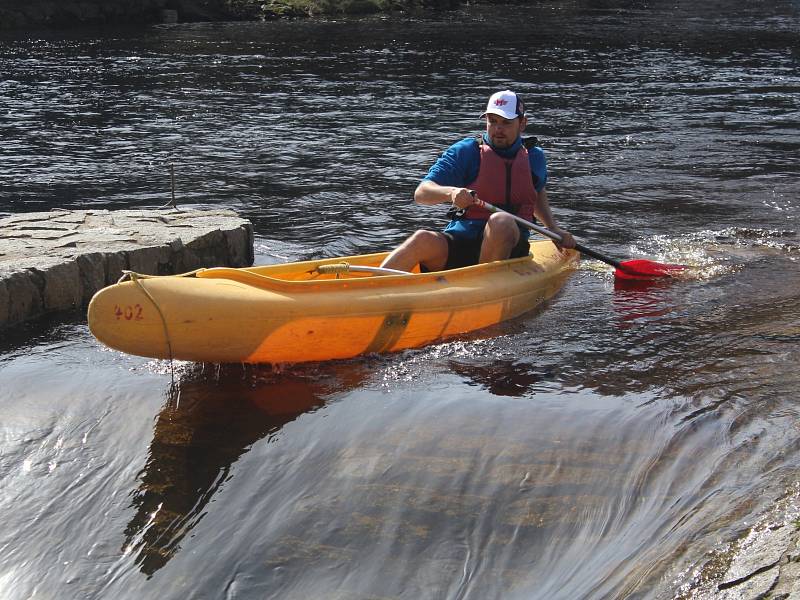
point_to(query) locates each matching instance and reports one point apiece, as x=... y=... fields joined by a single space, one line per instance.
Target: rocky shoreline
x=66 y=14
x=762 y=564
x=49 y=14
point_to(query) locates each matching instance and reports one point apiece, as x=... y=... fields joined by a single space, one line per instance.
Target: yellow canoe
x=298 y=312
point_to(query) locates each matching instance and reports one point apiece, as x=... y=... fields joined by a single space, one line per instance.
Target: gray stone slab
x=755 y=588
x=788 y=587
x=761 y=550
x=57 y=260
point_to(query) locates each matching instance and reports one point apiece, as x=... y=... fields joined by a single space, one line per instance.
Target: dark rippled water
x=597 y=448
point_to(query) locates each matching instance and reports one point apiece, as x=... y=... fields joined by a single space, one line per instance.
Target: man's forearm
x=430 y=192
x=543 y=212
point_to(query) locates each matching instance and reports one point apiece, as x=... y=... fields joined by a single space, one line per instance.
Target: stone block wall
x=57 y=260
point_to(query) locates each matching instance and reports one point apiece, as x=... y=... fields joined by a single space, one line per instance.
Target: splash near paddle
x=629 y=269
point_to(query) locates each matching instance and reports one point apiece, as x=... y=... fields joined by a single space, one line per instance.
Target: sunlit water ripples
x=598 y=447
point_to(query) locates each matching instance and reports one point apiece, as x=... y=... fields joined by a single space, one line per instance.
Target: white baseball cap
x=506 y=104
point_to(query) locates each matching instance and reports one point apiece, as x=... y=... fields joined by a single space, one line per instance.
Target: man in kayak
x=498 y=168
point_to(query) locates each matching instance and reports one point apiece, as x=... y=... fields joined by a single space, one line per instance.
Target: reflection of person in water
x=196 y=442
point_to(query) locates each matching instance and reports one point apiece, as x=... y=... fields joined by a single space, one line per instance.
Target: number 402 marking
x=128 y=312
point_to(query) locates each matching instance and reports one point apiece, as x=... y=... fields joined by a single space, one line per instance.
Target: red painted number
x=129 y=313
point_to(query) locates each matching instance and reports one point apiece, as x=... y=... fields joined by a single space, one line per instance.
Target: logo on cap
x=500 y=102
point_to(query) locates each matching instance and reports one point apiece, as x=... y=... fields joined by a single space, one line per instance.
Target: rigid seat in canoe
x=317 y=310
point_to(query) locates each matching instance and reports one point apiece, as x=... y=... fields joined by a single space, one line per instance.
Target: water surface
x=596 y=448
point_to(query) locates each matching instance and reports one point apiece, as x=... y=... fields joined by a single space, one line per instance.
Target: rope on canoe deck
x=345 y=267
x=334 y=269
x=133 y=274
x=136 y=279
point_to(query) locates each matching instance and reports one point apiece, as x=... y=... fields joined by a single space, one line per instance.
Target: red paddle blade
x=646 y=269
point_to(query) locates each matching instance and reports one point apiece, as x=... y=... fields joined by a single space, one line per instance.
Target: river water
x=598 y=448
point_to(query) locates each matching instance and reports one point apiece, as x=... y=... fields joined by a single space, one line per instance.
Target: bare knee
x=431 y=249
x=499 y=237
x=424 y=239
x=502 y=222
x=428 y=248
x=503 y=229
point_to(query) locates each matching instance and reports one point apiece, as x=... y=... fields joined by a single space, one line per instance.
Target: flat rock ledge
x=762 y=564
x=57 y=260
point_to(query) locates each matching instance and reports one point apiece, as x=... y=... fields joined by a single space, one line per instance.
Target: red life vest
x=505 y=182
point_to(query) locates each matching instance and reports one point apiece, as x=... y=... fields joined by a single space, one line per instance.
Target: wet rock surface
x=57 y=260
x=763 y=564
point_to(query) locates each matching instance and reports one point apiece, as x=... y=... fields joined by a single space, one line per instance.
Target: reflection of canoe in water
x=294 y=313
x=214 y=417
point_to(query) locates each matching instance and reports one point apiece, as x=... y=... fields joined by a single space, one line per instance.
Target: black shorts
x=463 y=252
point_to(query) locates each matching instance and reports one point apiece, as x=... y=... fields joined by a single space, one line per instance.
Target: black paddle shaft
x=551 y=234
x=594 y=254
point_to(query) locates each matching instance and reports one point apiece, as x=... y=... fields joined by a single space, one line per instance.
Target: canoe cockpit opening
x=344 y=268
